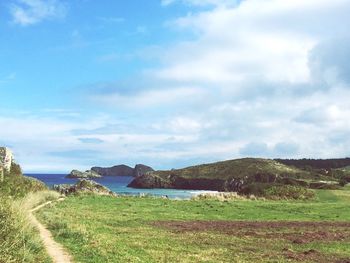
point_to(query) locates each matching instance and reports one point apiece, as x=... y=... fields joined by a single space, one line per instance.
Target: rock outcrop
x=141 y=169
x=83 y=186
x=86 y=174
x=6 y=158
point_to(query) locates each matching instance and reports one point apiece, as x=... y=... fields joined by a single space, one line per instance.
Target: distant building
x=6 y=158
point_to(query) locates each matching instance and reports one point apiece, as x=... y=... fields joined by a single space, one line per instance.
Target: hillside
x=317 y=163
x=240 y=175
x=16 y=185
x=19 y=241
x=338 y=169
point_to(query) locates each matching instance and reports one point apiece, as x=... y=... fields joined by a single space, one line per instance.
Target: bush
x=277 y=191
x=15 y=185
x=288 y=192
x=257 y=189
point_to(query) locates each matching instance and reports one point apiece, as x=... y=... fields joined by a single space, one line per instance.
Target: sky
x=173 y=83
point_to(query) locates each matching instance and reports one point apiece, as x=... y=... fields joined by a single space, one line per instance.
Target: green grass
x=124 y=229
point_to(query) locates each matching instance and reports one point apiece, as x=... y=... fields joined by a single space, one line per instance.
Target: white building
x=6 y=158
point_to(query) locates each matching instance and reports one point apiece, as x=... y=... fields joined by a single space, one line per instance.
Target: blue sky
x=172 y=83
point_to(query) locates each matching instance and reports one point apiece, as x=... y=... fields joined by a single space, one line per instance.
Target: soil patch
x=296 y=232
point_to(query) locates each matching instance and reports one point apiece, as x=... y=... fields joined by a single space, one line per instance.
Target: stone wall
x=6 y=158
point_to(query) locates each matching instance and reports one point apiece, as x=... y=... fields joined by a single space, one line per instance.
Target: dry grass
x=19 y=240
x=34 y=199
x=223 y=196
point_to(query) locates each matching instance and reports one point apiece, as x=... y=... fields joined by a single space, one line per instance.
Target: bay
x=118 y=184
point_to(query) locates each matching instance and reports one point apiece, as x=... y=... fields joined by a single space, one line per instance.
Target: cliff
x=141 y=169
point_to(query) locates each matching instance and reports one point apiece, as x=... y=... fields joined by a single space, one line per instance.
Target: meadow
x=134 y=229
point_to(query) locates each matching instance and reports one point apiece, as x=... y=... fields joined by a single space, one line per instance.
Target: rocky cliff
x=141 y=169
x=83 y=186
x=6 y=158
x=86 y=174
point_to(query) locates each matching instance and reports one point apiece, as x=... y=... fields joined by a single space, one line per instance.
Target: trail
x=54 y=249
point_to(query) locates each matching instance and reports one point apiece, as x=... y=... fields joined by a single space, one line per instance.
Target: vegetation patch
x=15 y=185
x=19 y=241
x=288 y=192
x=222 y=196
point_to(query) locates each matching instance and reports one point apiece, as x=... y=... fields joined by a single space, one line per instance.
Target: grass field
x=132 y=229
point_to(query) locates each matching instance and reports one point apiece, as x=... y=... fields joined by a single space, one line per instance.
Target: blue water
x=117 y=184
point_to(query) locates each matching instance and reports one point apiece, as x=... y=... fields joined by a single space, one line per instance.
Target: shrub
x=220 y=196
x=257 y=189
x=288 y=192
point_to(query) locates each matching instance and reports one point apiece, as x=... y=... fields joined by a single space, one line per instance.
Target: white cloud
x=149 y=98
x=257 y=39
x=201 y=2
x=29 y=12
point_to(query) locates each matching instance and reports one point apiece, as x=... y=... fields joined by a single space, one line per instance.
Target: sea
x=118 y=184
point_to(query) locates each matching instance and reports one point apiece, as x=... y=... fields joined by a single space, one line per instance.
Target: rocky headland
x=86 y=174
x=117 y=170
x=245 y=176
x=122 y=170
x=83 y=186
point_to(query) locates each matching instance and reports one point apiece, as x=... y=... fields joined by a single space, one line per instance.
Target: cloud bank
x=271 y=77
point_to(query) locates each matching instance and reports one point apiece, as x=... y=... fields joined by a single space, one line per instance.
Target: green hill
x=239 y=168
x=248 y=175
x=326 y=164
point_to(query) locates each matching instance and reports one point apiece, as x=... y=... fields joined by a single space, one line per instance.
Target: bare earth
x=54 y=249
x=294 y=232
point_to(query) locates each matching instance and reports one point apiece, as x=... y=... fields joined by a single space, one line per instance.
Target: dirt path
x=54 y=249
